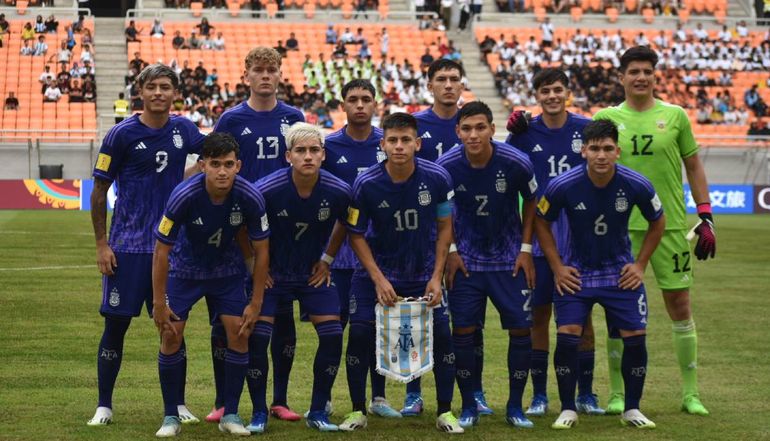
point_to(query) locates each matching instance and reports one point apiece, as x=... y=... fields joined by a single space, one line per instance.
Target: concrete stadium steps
x=111 y=68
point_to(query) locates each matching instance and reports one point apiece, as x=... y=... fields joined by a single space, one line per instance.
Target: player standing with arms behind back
x=597 y=199
x=552 y=141
x=259 y=124
x=493 y=255
x=657 y=138
x=145 y=156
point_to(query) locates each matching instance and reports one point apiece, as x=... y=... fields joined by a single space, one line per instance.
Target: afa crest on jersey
x=114 y=298
x=661 y=124
x=284 y=126
x=500 y=184
x=177 y=139
x=621 y=203
x=577 y=142
x=236 y=218
x=423 y=197
x=324 y=212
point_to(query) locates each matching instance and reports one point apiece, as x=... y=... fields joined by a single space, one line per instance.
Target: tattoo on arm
x=99 y=208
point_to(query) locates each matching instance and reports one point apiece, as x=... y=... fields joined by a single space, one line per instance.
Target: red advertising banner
x=41 y=194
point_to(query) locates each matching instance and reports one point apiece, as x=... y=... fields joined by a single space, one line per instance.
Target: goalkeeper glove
x=707 y=239
x=518 y=122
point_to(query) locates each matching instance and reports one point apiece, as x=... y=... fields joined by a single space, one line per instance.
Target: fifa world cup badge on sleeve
x=404 y=340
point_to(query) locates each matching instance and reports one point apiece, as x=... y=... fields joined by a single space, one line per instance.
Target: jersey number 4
x=642 y=145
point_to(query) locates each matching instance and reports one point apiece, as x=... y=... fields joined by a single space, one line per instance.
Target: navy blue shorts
x=510 y=295
x=323 y=300
x=224 y=295
x=341 y=280
x=624 y=309
x=544 y=285
x=285 y=307
x=363 y=298
x=124 y=292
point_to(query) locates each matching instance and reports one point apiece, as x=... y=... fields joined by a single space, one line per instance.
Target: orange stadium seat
x=234 y=7
x=612 y=14
x=648 y=14
x=630 y=5
x=684 y=16
x=196 y=8
x=720 y=15
x=576 y=12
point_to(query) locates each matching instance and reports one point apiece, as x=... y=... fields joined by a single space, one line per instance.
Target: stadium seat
x=720 y=15
x=630 y=5
x=648 y=14
x=684 y=16
x=196 y=8
x=234 y=7
x=309 y=9
x=576 y=13
x=612 y=14
x=540 y=14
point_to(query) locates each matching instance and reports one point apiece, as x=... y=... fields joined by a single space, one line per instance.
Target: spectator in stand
x=361 y=8
x=89 y=92
x=11 y=103
x=45 y=77
x=547 y=31
x=465 y=13
x=754 y=102
x=476 y=8
x=291 y=43
x=701 y=34
x=281 y=49
x=39 y=25
x=76 y=92
x=86 y=55
x=741 y=30
x=426 y=59
x=725 y=36
x=27 y=32
x=204 y=27
x=446 y=12
x=86 y=37
x=26 y=48
x=41 y=48
x=419 y=7
x=131 y=32
x=218 y=44
x=4 y=24
x=80 y=25
x=157 y=30
x=51 y=25
x=52 y=94
x=193 y=42
x=347 y=37
x=178 y=41
x=384 y=43
x=63 y=55
x=331 y=35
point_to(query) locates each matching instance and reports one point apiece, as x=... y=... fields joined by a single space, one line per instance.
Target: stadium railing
x=288 y=15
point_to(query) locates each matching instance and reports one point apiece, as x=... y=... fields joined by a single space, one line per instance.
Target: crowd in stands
x=71 y=77
x=696 y=70
x=400 y=85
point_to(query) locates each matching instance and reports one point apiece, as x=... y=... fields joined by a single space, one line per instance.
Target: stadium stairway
x=111 y=68
x=480 y=79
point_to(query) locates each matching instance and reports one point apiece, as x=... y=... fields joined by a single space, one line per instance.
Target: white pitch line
x=42 y=268
x=58 y=233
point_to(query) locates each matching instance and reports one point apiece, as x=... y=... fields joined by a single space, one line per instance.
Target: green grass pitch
x=50 y=329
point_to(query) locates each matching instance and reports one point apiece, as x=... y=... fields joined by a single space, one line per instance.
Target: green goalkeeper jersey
x=653 y=143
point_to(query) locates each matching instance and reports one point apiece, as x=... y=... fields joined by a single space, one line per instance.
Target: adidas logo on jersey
x=198 y=221
x=342 y=160
x=537 y=148
x=425 y=135
x=283 y=213
x=460 y=187
x=140 y=146
x=580 y=206
x=383 y=204
x=245 y=131
x=621 y=126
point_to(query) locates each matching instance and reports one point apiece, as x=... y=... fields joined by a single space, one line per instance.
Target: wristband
x=526 y=248
x=452 y=248
x=327 y=258
x=704 y=207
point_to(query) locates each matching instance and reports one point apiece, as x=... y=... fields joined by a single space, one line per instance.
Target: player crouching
x=200 y=223
x=597 y=200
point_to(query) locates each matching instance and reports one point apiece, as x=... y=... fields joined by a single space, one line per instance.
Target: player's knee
x=465 y=330
x=678 y=304
x=519 y=332
x=588 y=339
x=170 y=342
x=570 y=329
